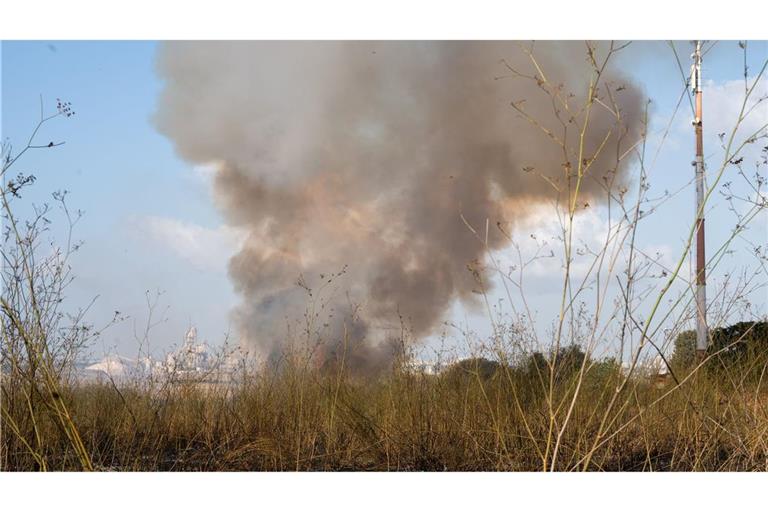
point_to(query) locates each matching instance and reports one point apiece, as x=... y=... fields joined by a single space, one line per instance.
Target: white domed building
x=191 y=357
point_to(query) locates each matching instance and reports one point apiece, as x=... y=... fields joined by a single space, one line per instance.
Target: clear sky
x=150 y=222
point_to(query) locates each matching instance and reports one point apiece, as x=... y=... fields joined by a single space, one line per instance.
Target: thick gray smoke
x=368 y=154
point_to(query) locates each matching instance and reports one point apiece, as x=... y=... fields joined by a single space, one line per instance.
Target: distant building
x=192 y=357
x=192 y=361
x=424 y=367
x=660 y=372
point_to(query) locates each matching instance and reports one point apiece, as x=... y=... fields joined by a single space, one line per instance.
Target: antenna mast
x=701 y=280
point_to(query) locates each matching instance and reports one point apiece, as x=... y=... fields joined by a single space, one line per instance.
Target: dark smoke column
x=371 y=155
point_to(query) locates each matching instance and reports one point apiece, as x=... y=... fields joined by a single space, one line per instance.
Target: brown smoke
x=368 y=154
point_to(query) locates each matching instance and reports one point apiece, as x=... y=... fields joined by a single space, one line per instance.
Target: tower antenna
x=701 y=279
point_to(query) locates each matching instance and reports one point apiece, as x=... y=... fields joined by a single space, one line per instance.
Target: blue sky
x=147 y=212
x=118 y=170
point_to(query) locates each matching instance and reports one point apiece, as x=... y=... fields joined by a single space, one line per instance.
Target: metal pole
x=701 y=280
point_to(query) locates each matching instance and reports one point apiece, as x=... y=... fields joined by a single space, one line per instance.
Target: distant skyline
x=151 y=224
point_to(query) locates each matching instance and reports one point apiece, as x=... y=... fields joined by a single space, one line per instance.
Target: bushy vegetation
x=741 y=348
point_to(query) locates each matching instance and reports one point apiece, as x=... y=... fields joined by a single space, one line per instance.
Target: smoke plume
x=377 y=158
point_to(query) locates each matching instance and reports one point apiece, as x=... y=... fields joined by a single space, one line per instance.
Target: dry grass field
x=544 y=413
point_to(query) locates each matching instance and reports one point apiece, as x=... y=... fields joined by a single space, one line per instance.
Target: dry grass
x=466 y=418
